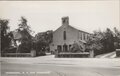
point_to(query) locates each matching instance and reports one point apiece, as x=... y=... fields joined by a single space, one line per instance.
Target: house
x=16 y=36
x=66 y=35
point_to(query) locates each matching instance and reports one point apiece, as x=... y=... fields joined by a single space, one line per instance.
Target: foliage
x=46 y=37
x=101 y=42
x=26 y=39
x=94 y=41
x=42 y=41
x=108 y=41
x=24 y=30
x=5 y=39
x=25 y=47
x=117 y=38
x=76 y=47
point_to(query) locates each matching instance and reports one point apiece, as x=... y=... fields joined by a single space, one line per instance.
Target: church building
x=66 y=35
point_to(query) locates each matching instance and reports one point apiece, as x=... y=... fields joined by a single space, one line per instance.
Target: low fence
x=31 y=54
x=16 y=54
x=72 y=55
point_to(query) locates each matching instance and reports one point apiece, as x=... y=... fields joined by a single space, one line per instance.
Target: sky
x=46 y=15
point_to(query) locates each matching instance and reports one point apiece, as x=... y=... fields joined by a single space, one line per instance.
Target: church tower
x=65 y=21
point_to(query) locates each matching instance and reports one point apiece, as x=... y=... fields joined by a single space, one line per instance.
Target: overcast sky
x=46 y=15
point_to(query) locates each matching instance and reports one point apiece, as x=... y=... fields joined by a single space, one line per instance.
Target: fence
x=16 y=54
x=31 y=54
x=73 y=55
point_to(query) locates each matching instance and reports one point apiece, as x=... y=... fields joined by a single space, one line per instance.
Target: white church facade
x=66 y=35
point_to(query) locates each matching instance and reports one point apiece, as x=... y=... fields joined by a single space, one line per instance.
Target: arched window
x=64 y=35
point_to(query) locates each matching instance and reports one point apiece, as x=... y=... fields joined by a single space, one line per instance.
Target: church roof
x=77 y=28
x=65 y=22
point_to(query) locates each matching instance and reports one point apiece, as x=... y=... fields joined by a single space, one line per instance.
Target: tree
x=26 y=37
x=108 y=41
x=101 y=42
x=117 y=38
x=42 y=40
x=5 y=39
x=94 y=42
x=24 y=29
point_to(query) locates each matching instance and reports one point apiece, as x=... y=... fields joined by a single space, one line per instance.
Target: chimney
x=65 y=20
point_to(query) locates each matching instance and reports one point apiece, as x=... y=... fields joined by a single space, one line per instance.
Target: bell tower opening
x=65 y=20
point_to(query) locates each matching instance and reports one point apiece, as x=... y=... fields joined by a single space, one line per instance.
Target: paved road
x=50 y=66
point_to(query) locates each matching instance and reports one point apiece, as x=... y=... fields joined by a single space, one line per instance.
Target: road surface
x=50 y=66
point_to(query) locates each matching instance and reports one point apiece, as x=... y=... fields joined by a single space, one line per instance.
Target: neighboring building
x=16 y=38
x=67 y=35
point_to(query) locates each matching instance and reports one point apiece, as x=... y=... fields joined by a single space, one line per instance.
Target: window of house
x=84 y=36
x=80 y=35
x=64 y=35
x=88 y=37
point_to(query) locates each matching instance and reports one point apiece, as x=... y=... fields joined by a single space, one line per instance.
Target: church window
x=64 y=35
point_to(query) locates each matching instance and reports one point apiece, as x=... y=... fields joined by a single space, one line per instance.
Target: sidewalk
x=108 y=55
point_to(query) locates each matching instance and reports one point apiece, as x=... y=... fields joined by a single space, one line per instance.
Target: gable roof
x=57 y=29
x=74 y=27
x=16 y=35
